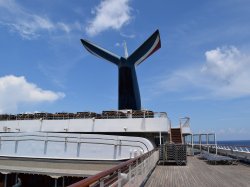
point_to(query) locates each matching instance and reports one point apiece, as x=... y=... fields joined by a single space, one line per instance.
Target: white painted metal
x=239 y=149
x=63 y=138
x=139 y=174
x=72 y=146
x=156 y=124
x=185 y=125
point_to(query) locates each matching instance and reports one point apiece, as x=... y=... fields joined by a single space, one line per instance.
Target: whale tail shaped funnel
x=129 y=94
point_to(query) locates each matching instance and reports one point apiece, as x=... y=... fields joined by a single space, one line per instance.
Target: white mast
x=125 y=49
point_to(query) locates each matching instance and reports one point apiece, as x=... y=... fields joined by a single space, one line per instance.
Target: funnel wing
x=100 y=52
x=152 y=44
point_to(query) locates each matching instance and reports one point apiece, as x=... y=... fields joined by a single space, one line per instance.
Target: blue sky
x=201 y=71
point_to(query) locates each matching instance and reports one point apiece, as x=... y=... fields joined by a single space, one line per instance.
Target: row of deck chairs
x=216 y=159
x=79 y=115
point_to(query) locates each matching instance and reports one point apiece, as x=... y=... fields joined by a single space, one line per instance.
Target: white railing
x=231 y=148
x=90 y=115
x=132 y=173
x=71 y=146
x=235 y=148
x=137 y=175
x=200 y=147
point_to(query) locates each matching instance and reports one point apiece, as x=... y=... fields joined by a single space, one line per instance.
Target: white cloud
x=16 y=90
x=26 y=23
x=127 y=35
x=109 y=14
x=64 y=27
x=225 y=74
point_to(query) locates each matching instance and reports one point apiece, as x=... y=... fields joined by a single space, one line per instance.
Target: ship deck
x=53 y=167
x=198 y=173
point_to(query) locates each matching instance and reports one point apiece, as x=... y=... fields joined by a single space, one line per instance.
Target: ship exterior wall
x=161 y=124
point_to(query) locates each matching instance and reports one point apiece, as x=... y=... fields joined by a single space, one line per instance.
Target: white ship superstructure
x=116 y=134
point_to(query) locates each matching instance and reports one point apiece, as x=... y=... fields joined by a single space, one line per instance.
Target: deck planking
x=53 y=167
x=197 y=173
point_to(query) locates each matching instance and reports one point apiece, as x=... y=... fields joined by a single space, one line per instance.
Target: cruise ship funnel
x=129 y=94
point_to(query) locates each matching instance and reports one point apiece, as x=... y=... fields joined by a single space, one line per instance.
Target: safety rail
x=83 y=115
x=239 y=152
x=133 y=172
x=232 y=148
x=235 y=148
x=73 y=146
x=197 y=148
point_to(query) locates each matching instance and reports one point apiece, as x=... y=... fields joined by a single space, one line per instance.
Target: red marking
x=158 y=46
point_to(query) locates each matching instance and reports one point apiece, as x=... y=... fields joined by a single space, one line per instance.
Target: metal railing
x=83 y=115
x=235 y=148
x=133 y=172
x=194 y=148
x=232 y=148
x=67 y=145
x=239 y=152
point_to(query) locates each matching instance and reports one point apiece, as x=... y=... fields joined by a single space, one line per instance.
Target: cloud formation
x=109 y=14
x=28 y=24
x=224 y=75
x=16 y=90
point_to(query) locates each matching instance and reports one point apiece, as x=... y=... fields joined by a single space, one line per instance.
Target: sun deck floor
x=198 y=173
x=53 y=167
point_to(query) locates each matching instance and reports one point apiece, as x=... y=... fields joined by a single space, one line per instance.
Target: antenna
x=125 y=49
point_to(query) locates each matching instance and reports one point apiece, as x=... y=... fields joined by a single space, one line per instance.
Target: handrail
x=234 y=145
x=235 y=148
x=83 y=115
x=121 y=167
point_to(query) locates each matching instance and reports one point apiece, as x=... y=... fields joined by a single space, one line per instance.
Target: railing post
x=16 y=146
x=119 y=178
x=200 y=141
x=143 y=167
x=45 y=145
x=136 y=170
x=192 y=139
x=129 y=172
x=160 y=137
x=215 y=141
x=78 y=147
x=102 y=183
